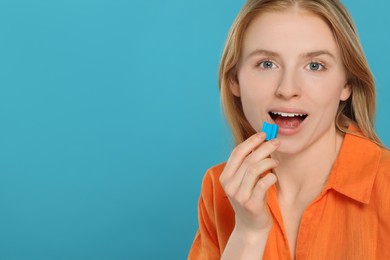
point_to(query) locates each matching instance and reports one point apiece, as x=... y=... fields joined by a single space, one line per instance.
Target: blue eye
x=266 y=64
x=315 y=66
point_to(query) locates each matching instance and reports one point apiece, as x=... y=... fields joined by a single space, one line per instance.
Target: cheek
x=256 y=91
x=327 y=92
x=255 y=88
x=326 y=106
x=326 y=100
x=254 y=102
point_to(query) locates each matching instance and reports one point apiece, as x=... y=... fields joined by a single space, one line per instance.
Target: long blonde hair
x=358 y=109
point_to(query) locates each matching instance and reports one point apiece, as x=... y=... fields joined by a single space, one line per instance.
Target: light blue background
x=110 y=116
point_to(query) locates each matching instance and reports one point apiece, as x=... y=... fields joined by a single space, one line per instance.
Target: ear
x=346 y=92
x=235 y=87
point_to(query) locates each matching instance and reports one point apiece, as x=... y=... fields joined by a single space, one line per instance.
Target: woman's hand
x=245 y=186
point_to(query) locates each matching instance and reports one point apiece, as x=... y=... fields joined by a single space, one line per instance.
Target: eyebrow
x=318 y=53
x=261 y=52
x=304 y=55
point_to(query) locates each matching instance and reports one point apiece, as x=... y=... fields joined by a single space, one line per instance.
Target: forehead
x=290 y=31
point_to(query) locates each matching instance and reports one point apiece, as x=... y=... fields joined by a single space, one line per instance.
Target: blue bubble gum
x=270 y=130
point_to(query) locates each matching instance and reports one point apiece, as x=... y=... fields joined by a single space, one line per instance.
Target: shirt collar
x=354 y=170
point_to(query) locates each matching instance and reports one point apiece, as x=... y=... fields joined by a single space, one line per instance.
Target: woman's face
x=291 y=74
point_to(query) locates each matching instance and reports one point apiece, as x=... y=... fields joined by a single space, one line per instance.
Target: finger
x=261 y=187
x=264 y=151
x=253 y=175
x=240 y=153
x=255 y=157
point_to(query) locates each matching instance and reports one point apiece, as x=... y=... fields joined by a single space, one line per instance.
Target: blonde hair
x=358 y=109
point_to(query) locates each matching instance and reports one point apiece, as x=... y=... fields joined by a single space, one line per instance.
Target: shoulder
x=213 y=199
x=382 y=180
x=210 y=184
x=213 y=196
x=380 y=198
x=216 y=206
x=384 y=164
x=385 y=158
x=213 y=173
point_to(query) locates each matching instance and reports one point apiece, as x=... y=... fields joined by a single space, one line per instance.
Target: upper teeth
x=287 y=114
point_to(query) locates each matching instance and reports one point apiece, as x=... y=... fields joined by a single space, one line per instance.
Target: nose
x=289 y=86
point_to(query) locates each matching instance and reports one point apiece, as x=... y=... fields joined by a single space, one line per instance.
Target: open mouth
x=287 y=120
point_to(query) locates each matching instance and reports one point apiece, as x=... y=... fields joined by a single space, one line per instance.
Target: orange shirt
x=349 y=219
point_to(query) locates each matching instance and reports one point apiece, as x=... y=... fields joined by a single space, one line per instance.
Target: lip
x=288 y=131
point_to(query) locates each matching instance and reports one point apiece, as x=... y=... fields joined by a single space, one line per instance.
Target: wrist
x=251 y=236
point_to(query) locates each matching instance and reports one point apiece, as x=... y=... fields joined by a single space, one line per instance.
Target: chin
x=287 y=148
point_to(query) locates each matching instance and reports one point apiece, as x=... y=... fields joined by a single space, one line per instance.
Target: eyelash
x=262 y=62
x=322 y=66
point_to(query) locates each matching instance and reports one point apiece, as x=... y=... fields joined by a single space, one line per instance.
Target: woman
x=321 y=189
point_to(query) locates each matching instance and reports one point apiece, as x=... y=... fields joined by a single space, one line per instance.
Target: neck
x=306 y=172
